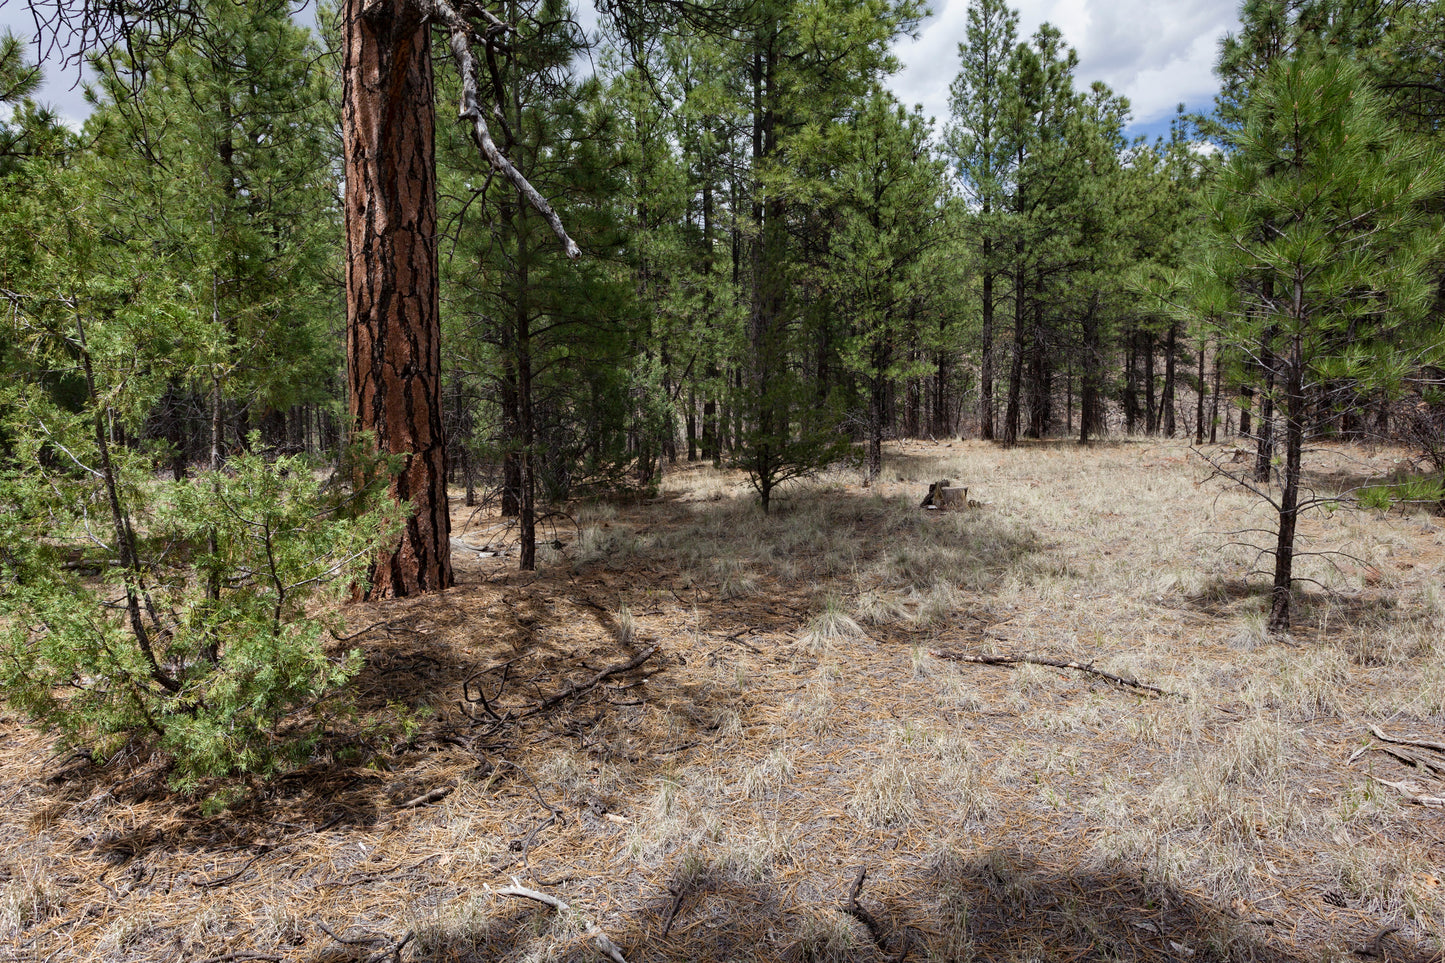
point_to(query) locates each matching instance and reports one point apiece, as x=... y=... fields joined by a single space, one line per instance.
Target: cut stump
x=943 y=494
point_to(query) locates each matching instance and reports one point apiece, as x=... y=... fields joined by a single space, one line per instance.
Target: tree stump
x=943 y=494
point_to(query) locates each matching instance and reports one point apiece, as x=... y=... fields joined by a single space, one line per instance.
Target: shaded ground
x=791 y=729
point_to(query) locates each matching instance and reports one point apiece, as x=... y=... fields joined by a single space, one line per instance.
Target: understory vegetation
x=798 y=720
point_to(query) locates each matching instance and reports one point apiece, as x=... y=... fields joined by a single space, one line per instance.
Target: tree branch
x=460 y=31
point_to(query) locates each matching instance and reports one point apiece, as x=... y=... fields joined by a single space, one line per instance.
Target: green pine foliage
x=184 y=618
x=228 y=688
x=1322 y=210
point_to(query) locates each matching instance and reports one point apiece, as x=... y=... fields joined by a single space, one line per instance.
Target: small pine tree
x=1320 y=205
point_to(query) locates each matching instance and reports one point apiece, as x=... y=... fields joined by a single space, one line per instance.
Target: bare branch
x=460 y=31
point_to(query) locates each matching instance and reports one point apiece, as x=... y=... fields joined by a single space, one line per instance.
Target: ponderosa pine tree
x=545 y=340
x=977 y=139
x=888 y=190
x=1320 y=201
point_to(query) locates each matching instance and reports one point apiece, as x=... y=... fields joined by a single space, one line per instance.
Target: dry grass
x=716 y=804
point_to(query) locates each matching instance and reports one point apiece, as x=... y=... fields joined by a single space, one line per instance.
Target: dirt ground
x=713 y=735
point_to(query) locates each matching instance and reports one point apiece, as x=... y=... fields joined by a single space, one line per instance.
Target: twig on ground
x=1376 y=946
x=223 y=880
x=1411 y=796
x=393 y=950
x=435 y=795
x=854 y=909
x=677 y=899
x=1053 y=663
x=580 y=687
x=604 y=943
x=1417 y=743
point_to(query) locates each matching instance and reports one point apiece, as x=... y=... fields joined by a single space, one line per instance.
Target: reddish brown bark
x=393 y=316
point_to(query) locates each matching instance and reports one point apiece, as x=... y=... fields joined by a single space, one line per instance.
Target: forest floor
x=794 y=770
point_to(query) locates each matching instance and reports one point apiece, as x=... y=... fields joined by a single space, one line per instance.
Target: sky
x=1158 y=53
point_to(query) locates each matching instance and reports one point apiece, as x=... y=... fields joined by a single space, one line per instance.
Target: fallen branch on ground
x=604 y=943
x=854 y=909
x=435 y=795
x=1381 y=735
x=1411 y=759
x=1053 y=663
x=581 y=687
x=1411 y=796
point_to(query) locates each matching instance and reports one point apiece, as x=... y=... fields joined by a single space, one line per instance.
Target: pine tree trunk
x=1089 y=377
x=1199 y=401
x=939 y=405
x=1296 y=407
x=1214 y=416
x=1151 y=395
x=1016 y=369
x=393 y=317
x=1166 y=402
x=985 y=365
x=1131 y=386
x=1264 y=450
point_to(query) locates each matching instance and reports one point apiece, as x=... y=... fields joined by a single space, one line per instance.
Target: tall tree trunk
x=1264 y=450
x=1016 y=368
x=985 y=364
x=1199 y=402
x=692 y=422
x=1296 y=409
x=1131 y=385
x=1151 y=394
x=1166 y=402
x=393 y=339
x=1089 y=377
x=1214 y=402
x=1246 y=395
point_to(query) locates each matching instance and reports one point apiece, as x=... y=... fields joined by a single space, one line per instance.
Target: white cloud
x=1158 y=53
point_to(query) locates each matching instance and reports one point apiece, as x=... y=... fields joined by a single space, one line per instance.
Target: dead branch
x=1412 y=759
x=426 y=798
x=580 y=687
x=1411 y=796
x=1397 y=740
x=856 y=910
x=604 y=943
x=393 y=950
x=229 y=877
x=1056 y=664
x=677 y=899
x=461 y=43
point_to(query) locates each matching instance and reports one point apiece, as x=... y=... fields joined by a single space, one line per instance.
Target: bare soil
x=790 y=772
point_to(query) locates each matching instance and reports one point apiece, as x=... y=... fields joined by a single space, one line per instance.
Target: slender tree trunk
x=1199 y=406
x=1166 y=403
x=692 y=423
x=1131 y=385
x=1296 y=410
x=1264 y=450
x=1089 y=377
x=985 y=366
x=1246 y=395
x=1016 y=368
x=393 y=317
x=1214 y=416
x=939 y=419
x=1151 y=394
